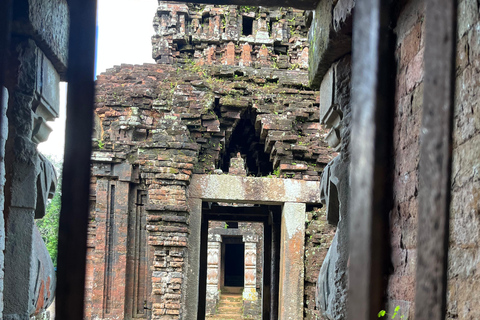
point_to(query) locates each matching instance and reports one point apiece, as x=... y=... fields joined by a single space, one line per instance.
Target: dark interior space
x=234 y=264
x=245 y=140
x=247 y=26
x=232 y=225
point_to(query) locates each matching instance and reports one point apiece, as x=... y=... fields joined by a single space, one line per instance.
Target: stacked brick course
x=319 y=236
x=464 y=278
x=161 y=106
x=408 y=114
x=230 y=35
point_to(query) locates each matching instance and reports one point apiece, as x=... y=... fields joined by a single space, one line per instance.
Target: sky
x=124 y=36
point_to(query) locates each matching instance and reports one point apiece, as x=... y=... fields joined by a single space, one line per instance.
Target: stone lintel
x=298 y=4
x=237 y=189
x=330 y=37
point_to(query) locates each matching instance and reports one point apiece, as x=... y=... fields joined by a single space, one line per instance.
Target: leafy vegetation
x=383 y=313
x=247 y=9
x=48 y=225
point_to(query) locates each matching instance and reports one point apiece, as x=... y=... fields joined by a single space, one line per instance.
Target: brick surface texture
x=318 y=238
x=463 y=280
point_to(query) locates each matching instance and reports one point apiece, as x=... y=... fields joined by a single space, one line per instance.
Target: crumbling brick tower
x=229 y=80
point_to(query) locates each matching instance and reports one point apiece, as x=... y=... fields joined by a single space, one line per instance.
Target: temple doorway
x=273 y=275
x=233 y=252
x=242 y=258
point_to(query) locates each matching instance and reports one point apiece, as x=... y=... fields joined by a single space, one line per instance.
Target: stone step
x=224 y=316
x=231 y=300
x=227 y=310
x=234 y=290
x=229 y=307
x=230 y=304
x=230 y=295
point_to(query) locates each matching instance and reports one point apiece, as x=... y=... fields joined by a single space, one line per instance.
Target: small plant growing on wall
x=383 y=313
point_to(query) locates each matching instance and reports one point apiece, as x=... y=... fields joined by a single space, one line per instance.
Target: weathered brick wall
x=408 y=112
x=318 y=237
x=464 y=255
x=464 y=288
x=173 y=107
x=164 y=123
x=230 y=35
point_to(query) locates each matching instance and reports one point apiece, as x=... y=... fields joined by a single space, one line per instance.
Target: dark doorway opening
x=234 y=264
x=247 y=26
x=270 y=216
x=232 y=225
x=245 y=140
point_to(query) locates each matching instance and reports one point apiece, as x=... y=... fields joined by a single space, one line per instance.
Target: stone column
x=213 y=272
x=292 y=241
x=191 y=283
x=250 y=294
x=3 y=139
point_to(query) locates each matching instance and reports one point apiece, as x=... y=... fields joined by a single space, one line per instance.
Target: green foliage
x=383 y=313
x=48 y=225
x=247 y=8
x=294 y=66
x=292 y=31
x=276 y=172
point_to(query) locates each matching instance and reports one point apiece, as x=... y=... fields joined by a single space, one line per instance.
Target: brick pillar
x=213 y=272
x=229 y=55
x=113 y=207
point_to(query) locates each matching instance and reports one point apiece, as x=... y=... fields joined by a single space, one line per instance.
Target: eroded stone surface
x=291 y=261
x=253 y=190
x=318 y=238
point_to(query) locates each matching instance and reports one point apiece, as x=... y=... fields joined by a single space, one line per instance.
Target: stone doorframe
x=292 y=195
x=215 y=270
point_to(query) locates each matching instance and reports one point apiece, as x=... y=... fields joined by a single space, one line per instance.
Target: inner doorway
x=234 y=262
x=281 y=205
x=240 y=244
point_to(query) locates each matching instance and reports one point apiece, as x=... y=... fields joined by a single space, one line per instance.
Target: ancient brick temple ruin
x=233 y=176
x=223 y=127
x=226 y=149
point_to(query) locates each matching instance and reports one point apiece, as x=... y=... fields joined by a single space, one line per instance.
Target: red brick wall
x=318 y=238
x=278 y=38
x=464 y=255
x=164 y=123
x=408 y=112
x=464 y=279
